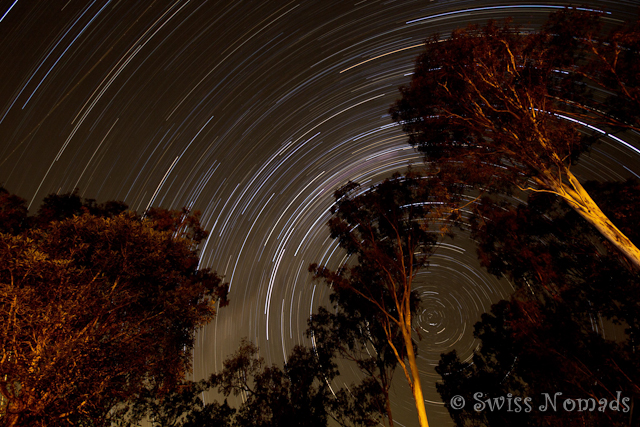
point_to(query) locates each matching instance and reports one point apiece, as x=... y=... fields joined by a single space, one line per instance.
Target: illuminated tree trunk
x=414 y=381
x=581 y=201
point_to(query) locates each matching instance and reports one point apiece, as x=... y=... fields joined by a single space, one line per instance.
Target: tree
x=529 y=349
x=349 y=332
x=183 y=407
x=386 y=229
x=97 y=310
x=13 y=212
x=272 y=397
x=494 y=106
x=296 y=395
x=548 y=337
x=56 y=207
x=546 y=248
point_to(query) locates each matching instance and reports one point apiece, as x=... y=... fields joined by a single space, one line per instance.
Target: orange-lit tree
x=495 y=106
x=97 y=310
x=549 y=336
x=385 y=229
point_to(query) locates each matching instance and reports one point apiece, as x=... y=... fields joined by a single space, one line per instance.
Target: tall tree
x=548 y=337
x=385 y=229
x=497 y=106
x=96 y=311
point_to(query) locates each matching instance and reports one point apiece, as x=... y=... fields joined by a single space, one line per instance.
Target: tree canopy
x=347 y=331
x=386 y=229
x=273 y=397
x=97 y=308
x=551 y=336
x=496 y=107
x=296 y=395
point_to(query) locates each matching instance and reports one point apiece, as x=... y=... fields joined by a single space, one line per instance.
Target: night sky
x=253 y=112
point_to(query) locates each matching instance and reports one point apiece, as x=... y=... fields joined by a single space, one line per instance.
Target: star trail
x=254 y=113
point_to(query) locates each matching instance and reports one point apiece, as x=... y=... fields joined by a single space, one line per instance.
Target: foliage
x=97 y=309
x=297 y=395
x=183 y=407
x=546 y=247
x=494 y=95
x=496 y=107
x=13 y=212
x=350 y=333
x=549 y=336
x=272 y=396
x=56 y=207
x=387 y=230
x=529 y=350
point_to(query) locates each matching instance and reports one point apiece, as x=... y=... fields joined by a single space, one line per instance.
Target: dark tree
x=97 y=310
x=183 y=407
x=56 y=207
x=549 y=336
x=349 y=332
x=386 y=230
x=494 y=106
x=529 y=350
x=546 y=248
x=13 y=212
x=294 y=396
x=298 y=395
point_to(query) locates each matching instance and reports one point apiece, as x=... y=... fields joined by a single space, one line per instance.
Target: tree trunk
x=581 y=201
x=388 y=407
x=416 y=387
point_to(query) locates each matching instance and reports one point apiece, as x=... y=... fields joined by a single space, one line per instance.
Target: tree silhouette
x=272 y=396
x=495 y=107
x=387 y=230
x=549 y=336
x=182 y=407
x=13 y=212
x=296 y=395
x=349 y=333
x=56 y=207
x=546 y=248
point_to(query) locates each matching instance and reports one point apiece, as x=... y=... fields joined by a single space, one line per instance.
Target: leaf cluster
x=545 y=248
x=492 y=102
x=296 y=395
x=98 y=308
x=549 y=336
x=351 y=333
x=386 y=228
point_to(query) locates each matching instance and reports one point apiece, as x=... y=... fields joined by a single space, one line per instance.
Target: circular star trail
x=254 y=113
